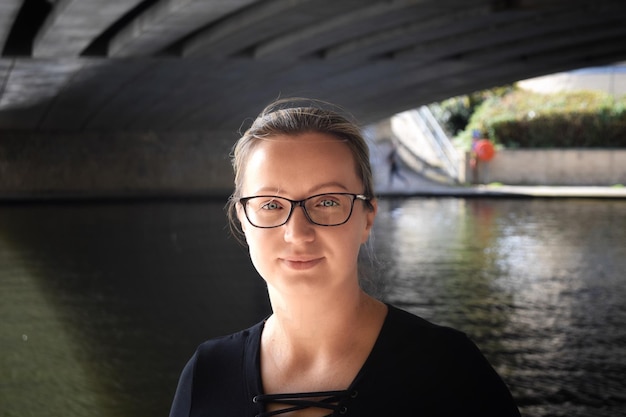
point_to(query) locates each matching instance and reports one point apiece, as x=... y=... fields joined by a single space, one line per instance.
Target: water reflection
x=539 y=284
x=103 y=303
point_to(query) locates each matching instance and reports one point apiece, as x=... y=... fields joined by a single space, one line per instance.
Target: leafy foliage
x=575 y=119
x=454 y=113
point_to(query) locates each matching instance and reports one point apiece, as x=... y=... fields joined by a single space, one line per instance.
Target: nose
x=298 y=228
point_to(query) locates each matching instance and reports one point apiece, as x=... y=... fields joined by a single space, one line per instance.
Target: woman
x=305 y=203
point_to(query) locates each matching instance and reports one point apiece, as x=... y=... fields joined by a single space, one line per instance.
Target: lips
x=301 y=264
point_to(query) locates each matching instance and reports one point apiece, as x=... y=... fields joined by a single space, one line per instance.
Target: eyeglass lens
x=323 y=209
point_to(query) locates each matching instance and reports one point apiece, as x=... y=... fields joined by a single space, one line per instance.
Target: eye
x=271 y=205
x=328 y=203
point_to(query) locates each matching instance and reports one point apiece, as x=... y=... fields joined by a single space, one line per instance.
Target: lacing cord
x=329 y=400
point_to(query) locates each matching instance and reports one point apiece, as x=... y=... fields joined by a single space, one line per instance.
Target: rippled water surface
x=102 y=304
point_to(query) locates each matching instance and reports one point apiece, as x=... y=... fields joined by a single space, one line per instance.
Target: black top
x=415 y=368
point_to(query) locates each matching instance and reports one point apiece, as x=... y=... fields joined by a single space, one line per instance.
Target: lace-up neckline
x=330 y=400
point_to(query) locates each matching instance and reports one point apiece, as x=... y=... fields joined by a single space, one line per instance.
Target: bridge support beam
x=95 y=165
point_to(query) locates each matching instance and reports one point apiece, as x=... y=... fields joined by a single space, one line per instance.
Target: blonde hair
x=293 y=117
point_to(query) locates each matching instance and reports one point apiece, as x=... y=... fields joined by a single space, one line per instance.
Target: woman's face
x=300 y=257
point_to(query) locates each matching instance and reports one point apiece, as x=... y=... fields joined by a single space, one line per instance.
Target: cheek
x=347 y=244
x=253 y=250
x=259 y=243
x=261 y=254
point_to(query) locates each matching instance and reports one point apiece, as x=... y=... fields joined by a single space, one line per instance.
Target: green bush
x=454 y=113
x=523 y=119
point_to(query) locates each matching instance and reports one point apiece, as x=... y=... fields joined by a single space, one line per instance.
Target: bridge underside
x=171 y=65
x=102 y=95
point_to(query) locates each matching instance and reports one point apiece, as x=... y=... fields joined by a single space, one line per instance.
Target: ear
x=369 y=220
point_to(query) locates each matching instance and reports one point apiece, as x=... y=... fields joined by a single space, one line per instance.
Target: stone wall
x=597 y=167
x=54 y=164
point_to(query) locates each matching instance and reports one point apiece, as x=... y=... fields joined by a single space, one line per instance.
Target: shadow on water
x=102 y=303
x=130 y=290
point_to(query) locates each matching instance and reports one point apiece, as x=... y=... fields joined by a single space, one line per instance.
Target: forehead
x=301 y=163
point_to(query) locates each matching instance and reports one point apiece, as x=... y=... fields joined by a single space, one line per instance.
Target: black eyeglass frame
x=244 y=203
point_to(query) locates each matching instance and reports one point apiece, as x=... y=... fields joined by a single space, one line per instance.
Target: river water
x=103 y=303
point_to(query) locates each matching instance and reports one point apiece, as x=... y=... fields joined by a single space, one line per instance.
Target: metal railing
x=420 y=124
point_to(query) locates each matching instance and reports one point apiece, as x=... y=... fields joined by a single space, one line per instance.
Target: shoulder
x=222 y=358
x=401 y=325
x=442 y=364
x=441 y=352
x=223 y=350
x=231 y=340
x=214 y=378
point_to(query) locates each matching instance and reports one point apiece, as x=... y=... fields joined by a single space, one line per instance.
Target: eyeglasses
x=329 y=209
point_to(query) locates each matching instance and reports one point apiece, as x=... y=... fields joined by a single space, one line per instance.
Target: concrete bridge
x=110 y=97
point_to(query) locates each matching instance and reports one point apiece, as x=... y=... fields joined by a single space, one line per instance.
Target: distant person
x=304 y=203
x=473 y=156
x=394 y=165
x=482 y=151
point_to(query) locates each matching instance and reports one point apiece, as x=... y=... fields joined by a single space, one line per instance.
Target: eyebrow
x=315 y=189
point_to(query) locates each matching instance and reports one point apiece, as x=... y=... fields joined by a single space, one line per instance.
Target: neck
x=318 y=343
x=322 y=321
